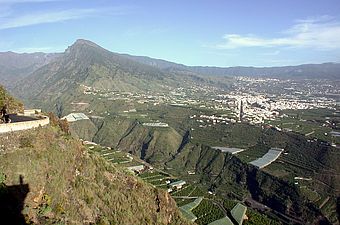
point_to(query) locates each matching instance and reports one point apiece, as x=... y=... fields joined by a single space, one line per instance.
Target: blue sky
x=191 y=32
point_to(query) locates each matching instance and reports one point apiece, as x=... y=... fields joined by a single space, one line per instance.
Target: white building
x=72 y=117
x=177 y=184
x=138 y=168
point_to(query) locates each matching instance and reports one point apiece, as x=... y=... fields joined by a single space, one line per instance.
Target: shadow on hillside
x=12 y=200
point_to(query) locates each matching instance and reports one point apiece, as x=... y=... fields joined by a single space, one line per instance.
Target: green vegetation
x=150 y=174
x=255 y=218
x=113 y=156
x=95 y=67
x=313 y=196
x=231 y=135
x=67 y=185
x=222 y=172
x=110 y=85
x=302 y=158
x=2 y=182
x=192 y=205
x=207 y=212
x=229 y=204
x=185 y=191
x=187 y=209
x=198 y=192
x=185 y=145
x=329 y=207
x=2 y=178
x=315 y=123
x=157 y=179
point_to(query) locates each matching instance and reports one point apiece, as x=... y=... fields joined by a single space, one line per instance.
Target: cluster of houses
x=257 y=105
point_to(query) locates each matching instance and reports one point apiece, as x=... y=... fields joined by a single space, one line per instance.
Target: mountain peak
x=82 y=44
x=85 y=42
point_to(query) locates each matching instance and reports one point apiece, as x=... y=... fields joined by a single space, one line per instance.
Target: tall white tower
x=240 y=107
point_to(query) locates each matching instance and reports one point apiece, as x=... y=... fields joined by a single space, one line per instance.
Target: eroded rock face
x=163 y=201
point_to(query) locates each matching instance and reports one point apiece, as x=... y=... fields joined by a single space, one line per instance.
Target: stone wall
x=8 y=127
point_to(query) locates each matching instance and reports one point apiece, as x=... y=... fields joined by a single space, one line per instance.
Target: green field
x=207 y=212
x=314 y=123
x=255 y=218
x=116 y=157
x=185 y=191
x=187 y=149
x=156 y=178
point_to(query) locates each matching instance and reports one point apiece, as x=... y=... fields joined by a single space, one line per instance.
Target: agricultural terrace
x=156 y=178
x=210 y=208
x=195 y=204
x=113 y=156
x=313 y=123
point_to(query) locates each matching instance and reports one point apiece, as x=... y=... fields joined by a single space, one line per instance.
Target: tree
x=59 y=108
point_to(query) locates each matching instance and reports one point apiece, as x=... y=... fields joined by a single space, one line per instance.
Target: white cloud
x=322 y=34
x=56 y=16
x=44 y=17
x=26 y=1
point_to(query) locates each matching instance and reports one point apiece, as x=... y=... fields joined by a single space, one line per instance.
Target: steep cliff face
x=229 y=176
x=48 y=177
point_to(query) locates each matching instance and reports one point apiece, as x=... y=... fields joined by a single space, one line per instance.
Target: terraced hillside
x=122 y=96
x=221 y=172
x=47 y=177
